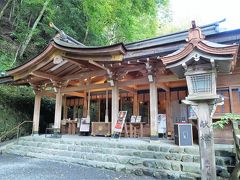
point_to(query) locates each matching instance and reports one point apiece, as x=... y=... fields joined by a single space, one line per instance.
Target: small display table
x=134 y=127
x=72 y=127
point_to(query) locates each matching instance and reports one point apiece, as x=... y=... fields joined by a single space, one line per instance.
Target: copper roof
x=196 y=40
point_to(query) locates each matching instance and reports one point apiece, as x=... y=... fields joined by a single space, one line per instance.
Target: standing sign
x=85 y=125
x=162 y=124
x=120 y=121
x=133 y=119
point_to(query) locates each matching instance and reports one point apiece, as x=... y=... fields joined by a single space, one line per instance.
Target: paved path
x=23 y=168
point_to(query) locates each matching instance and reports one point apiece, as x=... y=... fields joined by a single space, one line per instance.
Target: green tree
x=100 y=22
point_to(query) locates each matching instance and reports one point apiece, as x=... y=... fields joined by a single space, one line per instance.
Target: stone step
x=141 y=145
x=142 y=163
x=129 y=168
x=149 y=158
x=166 y=155
x=147 y=162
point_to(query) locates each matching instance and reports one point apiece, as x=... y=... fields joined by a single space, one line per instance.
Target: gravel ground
x=16 y=167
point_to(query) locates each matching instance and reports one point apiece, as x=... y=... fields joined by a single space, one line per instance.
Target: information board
x=85 y=125
x=120 y=121
x=162 y=123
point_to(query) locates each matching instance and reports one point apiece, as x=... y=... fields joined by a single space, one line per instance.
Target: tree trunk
x=4 y=8
x=236 y=172
x=29 y=22
x=86 y=34
x=11 y=14
x=29 y=36
x=16 y=55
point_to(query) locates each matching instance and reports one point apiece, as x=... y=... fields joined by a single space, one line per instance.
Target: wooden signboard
x=120 y=121
x=101 y=129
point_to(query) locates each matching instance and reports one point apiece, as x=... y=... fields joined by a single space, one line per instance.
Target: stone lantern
x=201 y=82
x=200 y=61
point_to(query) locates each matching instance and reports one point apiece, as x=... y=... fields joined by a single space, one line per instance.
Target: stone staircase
x=162 y=160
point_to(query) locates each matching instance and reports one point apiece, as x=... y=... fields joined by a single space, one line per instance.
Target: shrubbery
x=16 y=106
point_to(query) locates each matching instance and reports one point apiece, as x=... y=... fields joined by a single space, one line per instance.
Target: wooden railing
x=17 y=128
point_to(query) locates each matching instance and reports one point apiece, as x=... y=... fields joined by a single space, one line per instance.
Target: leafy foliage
x=16 y=106
x=99 y=22
x=226 y=119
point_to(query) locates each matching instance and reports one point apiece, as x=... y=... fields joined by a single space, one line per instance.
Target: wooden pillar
x=58 y=111
x=115 y=105
x=169 y=112
x=99 y=110
x=36 y=114
x=88 y=105
x=106 y=110
x=231 y=100
x=153 y=110
x=135 y=104
x=65 y=108
x=206 y=140
x=85 y=104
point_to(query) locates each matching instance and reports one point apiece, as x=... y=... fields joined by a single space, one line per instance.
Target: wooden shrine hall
x=98 y=82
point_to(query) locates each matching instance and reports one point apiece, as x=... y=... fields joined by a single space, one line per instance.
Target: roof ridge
x=214 y=24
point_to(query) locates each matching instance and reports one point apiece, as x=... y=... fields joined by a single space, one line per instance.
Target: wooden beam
x=167 y=78
x=163 y=86
x=131 y=68
x=85 y=75
x=82 y=88
x=80 y=62
x=77 y=94
x=227 y=80
x=129 y=89
x=26 y=73
x=102 y=58
x=98 y=65
x=74 y=62
x=49 y=93
x=45 y=75
x=132 y=82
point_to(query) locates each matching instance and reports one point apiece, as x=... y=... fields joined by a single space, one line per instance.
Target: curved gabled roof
x=79 y=59
x=59 y=47
x=225 y=56
x=196 y=41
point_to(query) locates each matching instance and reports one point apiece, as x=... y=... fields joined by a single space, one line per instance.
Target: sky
x=206 y=12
